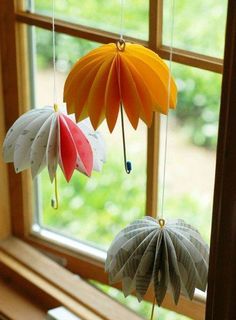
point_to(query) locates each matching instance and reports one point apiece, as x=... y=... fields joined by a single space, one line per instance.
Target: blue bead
x=128 y=166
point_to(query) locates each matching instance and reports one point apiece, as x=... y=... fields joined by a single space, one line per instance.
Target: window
x=196 y=64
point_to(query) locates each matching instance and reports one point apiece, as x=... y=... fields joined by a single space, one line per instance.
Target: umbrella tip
x=54 y=204
x=128 y=167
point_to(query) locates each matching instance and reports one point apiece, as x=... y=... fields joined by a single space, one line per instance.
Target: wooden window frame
x=16 y=220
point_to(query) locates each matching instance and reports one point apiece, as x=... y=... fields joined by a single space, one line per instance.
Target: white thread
x=168 y=105
x=54 y=53
x=122 y=4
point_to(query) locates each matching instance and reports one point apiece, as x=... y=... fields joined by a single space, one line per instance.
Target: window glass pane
x=102 y=14
x=68 y=51
x=144 y=308
x=198 y=25
x=91 y=209
x=192 y=136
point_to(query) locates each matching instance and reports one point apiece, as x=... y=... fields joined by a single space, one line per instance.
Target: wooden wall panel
x=4 y=199
x=222 y=280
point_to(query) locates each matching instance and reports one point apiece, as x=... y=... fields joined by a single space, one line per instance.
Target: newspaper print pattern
x=173 y=257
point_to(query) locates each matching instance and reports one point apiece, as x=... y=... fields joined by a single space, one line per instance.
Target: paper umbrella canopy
x=43 y=137
x=171 y=256
x=119 y=74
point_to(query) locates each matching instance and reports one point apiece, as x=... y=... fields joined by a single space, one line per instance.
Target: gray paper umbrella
x=170 y=255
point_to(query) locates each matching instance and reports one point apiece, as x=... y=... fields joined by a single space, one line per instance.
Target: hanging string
x=122 y=5
x=121 y=47
x=54 y=53
x=161 y=220
x=172 y=10
x=55 y=201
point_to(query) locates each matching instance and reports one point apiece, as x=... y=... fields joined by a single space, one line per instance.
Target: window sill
x=16 y=304
x=89 y=262
x=53 y=285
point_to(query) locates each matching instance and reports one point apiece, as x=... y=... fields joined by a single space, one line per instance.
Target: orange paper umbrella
x=119 y=74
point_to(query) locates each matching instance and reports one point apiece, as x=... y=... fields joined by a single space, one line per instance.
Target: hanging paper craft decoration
x=115 y=75
x=43 y=137
x=169 y=255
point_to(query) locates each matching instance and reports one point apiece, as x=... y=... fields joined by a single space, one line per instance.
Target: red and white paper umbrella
x=45 y=137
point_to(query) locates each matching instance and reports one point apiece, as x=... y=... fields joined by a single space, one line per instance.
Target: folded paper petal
x=84 y=153
x=17 y=129
x=107 y=77
x=67 y=149
x=52 y=149
x=39 y=147
x=97 y=143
